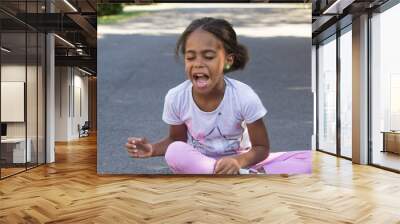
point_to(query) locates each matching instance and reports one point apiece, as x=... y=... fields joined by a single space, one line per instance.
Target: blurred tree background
x=109 y=9
x=111 y=13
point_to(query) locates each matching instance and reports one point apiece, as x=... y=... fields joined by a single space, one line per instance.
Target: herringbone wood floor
x=70 y=191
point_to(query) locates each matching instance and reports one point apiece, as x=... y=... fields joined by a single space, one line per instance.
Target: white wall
x=12 y=101
x=62 y=81
x=33 y=125
x=70 y=83
x=12 y=73
x=79 y=117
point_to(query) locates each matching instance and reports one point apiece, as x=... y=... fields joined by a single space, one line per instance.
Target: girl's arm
x=140 y=148
x=260 y=145
x=258 y=152
x=176 y=133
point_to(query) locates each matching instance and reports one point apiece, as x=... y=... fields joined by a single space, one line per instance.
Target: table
x=17 y=150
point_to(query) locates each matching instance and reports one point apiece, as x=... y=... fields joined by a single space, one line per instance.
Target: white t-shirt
x=222 y=131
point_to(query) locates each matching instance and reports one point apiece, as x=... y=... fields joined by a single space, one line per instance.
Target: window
x=22 y=65
x=327 y=95
x=385 y=88
x=346 y=92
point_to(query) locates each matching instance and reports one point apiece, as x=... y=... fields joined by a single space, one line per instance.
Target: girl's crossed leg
x=182 y=158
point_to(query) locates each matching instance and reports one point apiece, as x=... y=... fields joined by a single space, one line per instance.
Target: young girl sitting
x=216 y=124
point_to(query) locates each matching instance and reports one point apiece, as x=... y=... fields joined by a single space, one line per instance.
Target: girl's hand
x=227 y=165
x=139 y=147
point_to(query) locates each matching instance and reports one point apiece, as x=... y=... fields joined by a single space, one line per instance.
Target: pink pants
x=182 y=158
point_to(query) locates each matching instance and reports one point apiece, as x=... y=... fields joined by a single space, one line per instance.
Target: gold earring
x=227 y=66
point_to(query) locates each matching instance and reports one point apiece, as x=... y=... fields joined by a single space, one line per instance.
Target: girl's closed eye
x=189 y=57
x=209 y=55
x=206 y=57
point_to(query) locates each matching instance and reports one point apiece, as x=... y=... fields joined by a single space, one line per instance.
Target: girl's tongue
x=201 y=82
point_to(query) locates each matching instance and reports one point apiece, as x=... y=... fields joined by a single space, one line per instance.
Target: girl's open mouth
x=201 y=80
